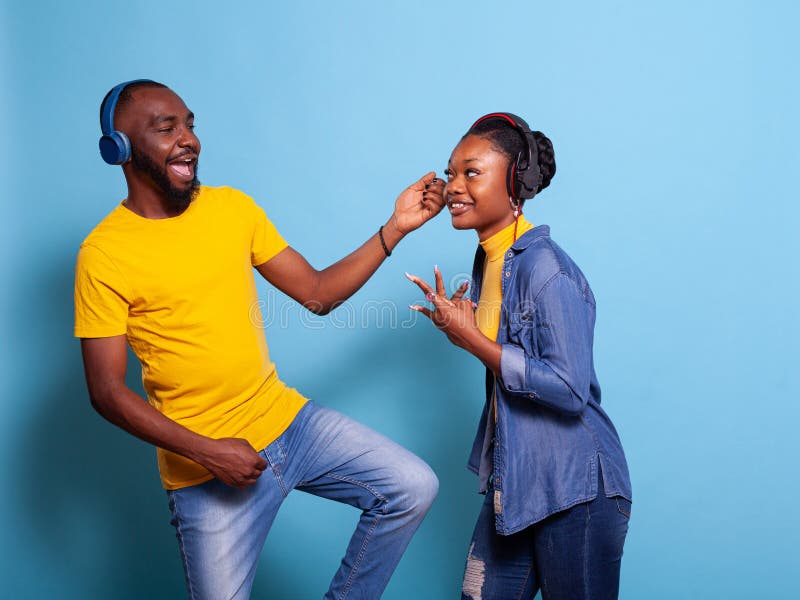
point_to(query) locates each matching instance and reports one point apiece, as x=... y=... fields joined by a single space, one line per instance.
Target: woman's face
x=476 y=192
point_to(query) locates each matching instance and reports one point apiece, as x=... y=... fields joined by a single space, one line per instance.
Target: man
x=170 y=272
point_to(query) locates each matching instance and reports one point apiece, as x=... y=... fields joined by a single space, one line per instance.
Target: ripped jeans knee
x=474 y=575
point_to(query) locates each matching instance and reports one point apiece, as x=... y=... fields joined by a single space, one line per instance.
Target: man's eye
x=165 y=129
x=471 y=172
x=191 y=127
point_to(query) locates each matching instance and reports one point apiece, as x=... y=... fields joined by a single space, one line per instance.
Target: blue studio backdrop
x=675 y=129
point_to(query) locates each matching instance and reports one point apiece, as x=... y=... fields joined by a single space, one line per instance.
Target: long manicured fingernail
x=435 y=267
x=465 y=284
x=412 y=307
x=430 y=297
x=409 y=277
x=474 y=305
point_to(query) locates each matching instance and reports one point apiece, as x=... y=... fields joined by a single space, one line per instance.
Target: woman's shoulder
x=536 y=252
x=542 y=259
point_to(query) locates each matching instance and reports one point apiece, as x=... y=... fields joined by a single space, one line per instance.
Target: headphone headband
x=115 y=148
x=524 y=175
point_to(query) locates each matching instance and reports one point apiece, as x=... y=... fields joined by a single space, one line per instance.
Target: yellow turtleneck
x=488 y=312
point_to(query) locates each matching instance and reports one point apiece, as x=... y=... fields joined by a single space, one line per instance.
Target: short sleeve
x=267 y=242
x=102 y=296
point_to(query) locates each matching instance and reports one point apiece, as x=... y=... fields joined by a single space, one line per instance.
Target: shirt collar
x=526 y=239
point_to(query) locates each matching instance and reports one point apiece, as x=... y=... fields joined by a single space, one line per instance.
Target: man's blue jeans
x=574 y=554
x=221 y=530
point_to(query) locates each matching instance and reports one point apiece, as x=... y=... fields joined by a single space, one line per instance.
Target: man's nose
x=188 y=139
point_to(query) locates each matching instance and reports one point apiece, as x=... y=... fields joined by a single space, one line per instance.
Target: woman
x=558 y=494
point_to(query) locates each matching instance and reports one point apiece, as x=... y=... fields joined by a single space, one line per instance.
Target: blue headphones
x=115 y=147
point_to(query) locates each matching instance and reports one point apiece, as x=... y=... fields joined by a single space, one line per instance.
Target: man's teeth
x=456 y=204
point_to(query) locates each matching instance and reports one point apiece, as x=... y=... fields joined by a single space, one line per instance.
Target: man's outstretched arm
x=231 y=460
x=322 y=291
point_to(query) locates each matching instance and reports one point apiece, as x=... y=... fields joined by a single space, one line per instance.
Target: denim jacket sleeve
x=563 y=329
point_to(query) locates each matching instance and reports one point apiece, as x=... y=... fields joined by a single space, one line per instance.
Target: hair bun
x=547 y=158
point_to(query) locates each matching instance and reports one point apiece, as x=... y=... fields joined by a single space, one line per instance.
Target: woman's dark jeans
x=574 y=554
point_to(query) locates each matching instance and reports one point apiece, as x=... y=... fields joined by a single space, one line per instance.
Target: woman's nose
x=455 y=185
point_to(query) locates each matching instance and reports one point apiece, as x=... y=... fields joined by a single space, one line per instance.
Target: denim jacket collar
x=525 y=240
x=531 y=236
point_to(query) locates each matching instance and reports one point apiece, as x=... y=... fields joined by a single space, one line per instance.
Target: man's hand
x=233 y=461
x=419 y=202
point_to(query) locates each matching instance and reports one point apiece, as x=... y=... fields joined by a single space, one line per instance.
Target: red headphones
x=524 y=175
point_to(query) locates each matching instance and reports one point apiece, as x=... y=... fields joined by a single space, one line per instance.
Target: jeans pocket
x=623 y=506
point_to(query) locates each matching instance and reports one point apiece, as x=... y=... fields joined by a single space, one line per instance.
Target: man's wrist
x=200 y=449
x=392 y=233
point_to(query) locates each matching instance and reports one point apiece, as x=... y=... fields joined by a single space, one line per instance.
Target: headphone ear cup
x=511 y=180
x=115 y=148
x=530 y=178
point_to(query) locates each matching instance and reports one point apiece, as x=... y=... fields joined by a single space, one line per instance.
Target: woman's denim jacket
x=552 y=437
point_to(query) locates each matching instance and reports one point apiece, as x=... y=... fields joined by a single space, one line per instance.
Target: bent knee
x=419 y=486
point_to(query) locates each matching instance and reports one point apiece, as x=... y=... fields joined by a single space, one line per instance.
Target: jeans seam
x=525 y=582
x=372 y=490
x=282 y=449
x=361 y=553
x=182 y=547
x=586 y=551
x=367 y=536
x=272 y=464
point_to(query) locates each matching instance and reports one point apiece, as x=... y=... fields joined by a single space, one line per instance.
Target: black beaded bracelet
x=383 y=242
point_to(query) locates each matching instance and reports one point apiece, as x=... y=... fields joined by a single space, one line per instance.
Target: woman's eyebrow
x=465 y=160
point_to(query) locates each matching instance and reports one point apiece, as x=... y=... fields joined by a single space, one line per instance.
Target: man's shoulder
x=223 y=192
x=104 y=230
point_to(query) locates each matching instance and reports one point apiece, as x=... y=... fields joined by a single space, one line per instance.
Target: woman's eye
x=471 y=172
x=449 y=174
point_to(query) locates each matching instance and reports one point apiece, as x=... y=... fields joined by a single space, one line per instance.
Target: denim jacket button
x=508 y=273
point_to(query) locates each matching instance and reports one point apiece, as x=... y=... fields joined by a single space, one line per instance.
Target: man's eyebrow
x=164 y=118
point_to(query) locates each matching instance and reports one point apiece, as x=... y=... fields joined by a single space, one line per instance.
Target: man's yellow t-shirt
x=183 y=291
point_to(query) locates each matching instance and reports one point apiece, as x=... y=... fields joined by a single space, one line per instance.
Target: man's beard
x=177 y=199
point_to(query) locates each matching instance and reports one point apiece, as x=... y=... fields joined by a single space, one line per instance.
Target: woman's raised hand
x=455 y=315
